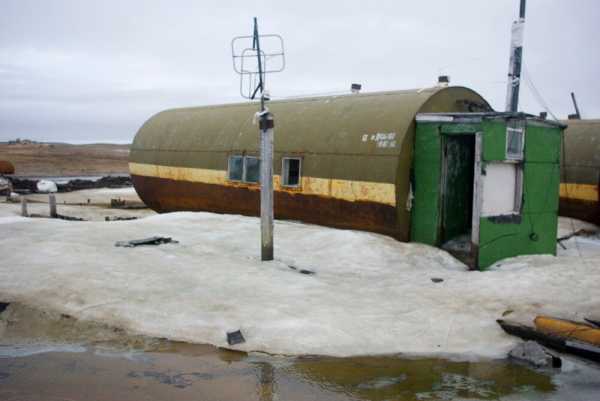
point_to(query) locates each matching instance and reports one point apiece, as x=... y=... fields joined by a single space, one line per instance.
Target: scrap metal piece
x=593 y=322
x=146 y=241
x=235 y=337
x=119 y=218
x=302 y=271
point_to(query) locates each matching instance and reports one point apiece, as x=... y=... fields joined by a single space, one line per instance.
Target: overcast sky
x=83 y=71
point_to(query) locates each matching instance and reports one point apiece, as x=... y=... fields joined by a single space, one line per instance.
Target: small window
x=236 y=168
x=515 y=134
x=252 y=169
x=290 y=172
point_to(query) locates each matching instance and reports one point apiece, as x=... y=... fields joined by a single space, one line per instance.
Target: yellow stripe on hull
x=379 y=192
x=586 y=192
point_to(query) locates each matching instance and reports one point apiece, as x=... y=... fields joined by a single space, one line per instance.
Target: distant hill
x=63 y=159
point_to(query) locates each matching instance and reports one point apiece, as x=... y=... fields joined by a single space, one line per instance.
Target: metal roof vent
x=355 y=88
x=443 y=80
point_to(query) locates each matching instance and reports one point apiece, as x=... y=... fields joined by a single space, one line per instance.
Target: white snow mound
x=370 y=294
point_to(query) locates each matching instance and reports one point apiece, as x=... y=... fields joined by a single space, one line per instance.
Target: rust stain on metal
x=580 y=209
x=167 y=195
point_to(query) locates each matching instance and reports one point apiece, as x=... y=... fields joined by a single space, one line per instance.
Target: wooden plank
x=477 y=200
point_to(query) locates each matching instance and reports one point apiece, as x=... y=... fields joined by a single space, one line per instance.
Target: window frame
x=515 y=126
x=519 y=186
x=285 y=172
x=229 y=160
x=245 y=173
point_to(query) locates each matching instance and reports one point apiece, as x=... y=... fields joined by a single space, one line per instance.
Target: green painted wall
x=534 y=231
x=426 y=220
x=500 y=241
x=427 y=169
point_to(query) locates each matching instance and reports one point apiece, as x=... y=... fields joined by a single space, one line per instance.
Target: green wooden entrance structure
x=486 y=185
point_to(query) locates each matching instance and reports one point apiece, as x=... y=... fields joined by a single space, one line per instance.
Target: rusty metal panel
x=580 y=171
x=175 y=195
x=581 y=152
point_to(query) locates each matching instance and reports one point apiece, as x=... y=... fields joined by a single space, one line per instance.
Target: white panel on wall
x=499 y=185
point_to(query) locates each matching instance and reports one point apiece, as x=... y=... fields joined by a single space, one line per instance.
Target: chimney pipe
x=577 y=115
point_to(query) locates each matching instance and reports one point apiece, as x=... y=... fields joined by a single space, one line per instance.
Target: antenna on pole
x=516 y=61
x=254 y=56
x=252 y=62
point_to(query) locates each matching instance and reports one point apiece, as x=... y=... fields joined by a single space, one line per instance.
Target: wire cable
x=536 y=93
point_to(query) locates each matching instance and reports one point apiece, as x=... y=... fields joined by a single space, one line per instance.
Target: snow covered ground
x=370 y=294
x=69 y=204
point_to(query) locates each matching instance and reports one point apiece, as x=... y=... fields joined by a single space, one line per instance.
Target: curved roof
x=332 y=125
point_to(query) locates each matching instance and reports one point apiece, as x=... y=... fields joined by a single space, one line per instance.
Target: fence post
x=24 y=206
x=52 y=202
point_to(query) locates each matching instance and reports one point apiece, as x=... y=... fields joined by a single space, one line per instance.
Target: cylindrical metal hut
x=580 y=171
x=341 y=161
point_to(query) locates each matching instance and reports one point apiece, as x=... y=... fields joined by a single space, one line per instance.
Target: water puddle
x=111 y=366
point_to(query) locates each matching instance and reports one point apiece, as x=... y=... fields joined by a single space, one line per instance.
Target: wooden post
x=477 y=201
x=52 y=202
x=24 y=206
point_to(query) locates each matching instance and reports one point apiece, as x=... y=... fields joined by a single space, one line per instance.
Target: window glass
x=236 y=168
x=252 y=169
x=291 y=172
x=515 y=131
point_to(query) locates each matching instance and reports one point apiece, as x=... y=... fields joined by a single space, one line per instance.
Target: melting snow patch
x=370 y=295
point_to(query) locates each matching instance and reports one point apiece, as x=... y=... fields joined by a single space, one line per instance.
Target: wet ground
x=48 y=356
x=194 y=372
x=52 y=357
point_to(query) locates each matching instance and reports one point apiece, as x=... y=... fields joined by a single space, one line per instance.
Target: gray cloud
x=84 y=70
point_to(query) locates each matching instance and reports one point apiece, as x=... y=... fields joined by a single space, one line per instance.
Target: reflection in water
x=266 y=380
x=180 y=372
x=378 y=378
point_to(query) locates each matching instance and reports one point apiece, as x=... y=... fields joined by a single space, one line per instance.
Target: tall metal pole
x=266 y=162
x=516 y=60
x=266 y=186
